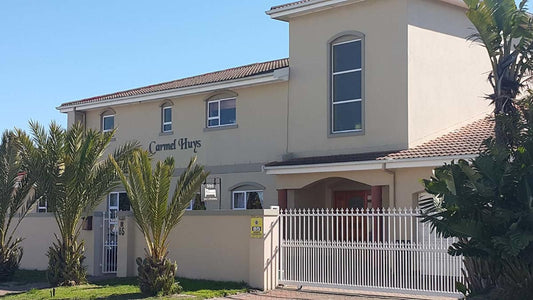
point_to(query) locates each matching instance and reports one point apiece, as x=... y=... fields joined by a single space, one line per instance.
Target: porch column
x=377 y=200
x=282 y=199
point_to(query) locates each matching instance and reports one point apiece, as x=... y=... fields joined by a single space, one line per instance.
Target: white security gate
x=377 y=249
x=110 y=245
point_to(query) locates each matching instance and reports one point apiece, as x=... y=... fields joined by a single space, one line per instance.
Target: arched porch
x=335 y=192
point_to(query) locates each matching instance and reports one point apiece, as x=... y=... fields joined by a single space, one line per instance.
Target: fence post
x=263 y=256
x=125 y=252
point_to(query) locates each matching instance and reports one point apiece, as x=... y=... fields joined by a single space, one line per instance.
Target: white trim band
x=364 y=165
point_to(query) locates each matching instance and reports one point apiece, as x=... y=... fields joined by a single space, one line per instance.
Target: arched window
x=166 y=117
x=222 y=109
x=347 y=82
x=247 y=195
x=107 y=120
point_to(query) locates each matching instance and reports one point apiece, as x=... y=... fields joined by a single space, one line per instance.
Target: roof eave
x=278 y=75
x=365 y=165
x=285 y=13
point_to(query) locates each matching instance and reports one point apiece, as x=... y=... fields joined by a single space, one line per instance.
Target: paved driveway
x=319 y=294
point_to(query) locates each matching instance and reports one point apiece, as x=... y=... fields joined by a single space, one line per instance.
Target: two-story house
x=374 y=95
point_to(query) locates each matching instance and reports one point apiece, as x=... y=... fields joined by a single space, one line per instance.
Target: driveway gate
x=375 y=249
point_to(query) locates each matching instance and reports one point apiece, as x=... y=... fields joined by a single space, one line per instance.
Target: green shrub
x=10 y=257
x=65 y=264
x=156 y=277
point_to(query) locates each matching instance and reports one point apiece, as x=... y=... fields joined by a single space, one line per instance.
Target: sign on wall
x=211 y=190
x=256 y=227
x=176 y=144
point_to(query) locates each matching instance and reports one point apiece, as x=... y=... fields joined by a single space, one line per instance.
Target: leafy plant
x=488 y=205
x=15 y=201
x=506 y=32
x=73 y=178
x=156 y=215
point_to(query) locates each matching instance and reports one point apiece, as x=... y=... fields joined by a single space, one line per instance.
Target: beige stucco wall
x=38 y=231
x=213 y=245
x=447 y=73
x=384 y=24
x=260 y=136
x=234 y=154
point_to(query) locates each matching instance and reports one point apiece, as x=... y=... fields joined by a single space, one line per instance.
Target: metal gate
x=374 y=249
x=110 y=245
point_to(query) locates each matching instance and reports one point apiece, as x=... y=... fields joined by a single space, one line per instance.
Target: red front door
x=354 y=228
x=350 y=199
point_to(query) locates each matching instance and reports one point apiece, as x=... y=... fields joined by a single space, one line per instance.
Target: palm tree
x=73 y=178
x=15 y=202
x=506 y=31
x=156 y=215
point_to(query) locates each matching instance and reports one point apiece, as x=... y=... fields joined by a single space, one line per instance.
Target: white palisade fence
x=381 y=249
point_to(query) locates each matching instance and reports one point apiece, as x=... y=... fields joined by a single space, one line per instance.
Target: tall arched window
x=346 y=82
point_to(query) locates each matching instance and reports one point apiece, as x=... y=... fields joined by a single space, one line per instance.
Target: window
x=247 y=200
x=347 y=85
x=117 y=201
x=42 y=205
x=196 y=203
x=108 y=123
x=166 y=119
x=221 y=112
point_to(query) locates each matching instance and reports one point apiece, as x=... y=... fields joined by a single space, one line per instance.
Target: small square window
x=221 y=112
x=166 y=120
x=108 y=123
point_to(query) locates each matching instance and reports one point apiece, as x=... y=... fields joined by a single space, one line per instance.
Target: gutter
x=365 y=165
x=278 y=75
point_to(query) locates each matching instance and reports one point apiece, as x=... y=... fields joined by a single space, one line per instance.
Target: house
x=374 y=95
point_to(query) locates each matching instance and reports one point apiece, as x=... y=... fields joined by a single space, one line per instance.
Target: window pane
x=347 y=86
x=254 y=200
x=347 y=116
x=167 y=127
x=113 y=200
x=347 y=56
x=109 y=122
x=213 y=122
x=123 y=202
x=238 y=200
x=213 y=109
x=167 y=115
x=227 y=112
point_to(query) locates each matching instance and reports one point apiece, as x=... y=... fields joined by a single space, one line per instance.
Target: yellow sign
x=256 y=227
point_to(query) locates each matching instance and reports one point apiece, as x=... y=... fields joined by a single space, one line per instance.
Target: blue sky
x=57 y=51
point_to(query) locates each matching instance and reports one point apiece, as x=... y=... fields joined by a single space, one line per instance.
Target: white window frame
x=218 y=117
x=117 y=207
x=163 y=123
x=245 y=198
x=42 y=209
x=191 y=205
x=333 y=103
x=103 y=123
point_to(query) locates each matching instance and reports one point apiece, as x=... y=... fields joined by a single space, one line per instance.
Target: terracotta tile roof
x=464 y=141
x=218 y=76
x=289 y=4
